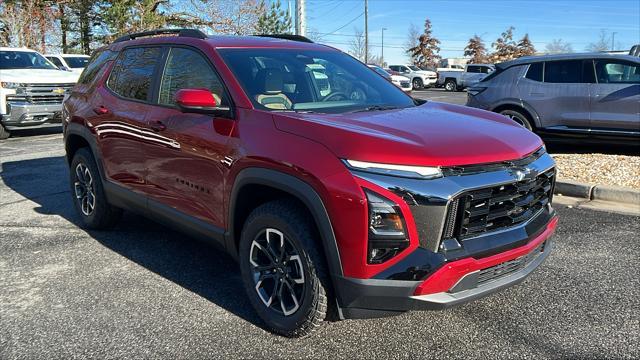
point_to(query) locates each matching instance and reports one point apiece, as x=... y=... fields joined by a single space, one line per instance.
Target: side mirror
x=198 y=101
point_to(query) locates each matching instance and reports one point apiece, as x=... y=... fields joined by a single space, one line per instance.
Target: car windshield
x=24 y=60
x=381 y=71
x=414 y=68
x=76 y=62
x=311 y=81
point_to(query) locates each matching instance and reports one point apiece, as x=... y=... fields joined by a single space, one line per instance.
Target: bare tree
x=239 y=17
x=358 y=50
x=557 y=46
x=25 y=23
x=413 y=39
x=602 y=44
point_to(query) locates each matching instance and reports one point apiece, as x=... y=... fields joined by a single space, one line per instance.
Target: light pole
x=613 y=37
x=382 y=56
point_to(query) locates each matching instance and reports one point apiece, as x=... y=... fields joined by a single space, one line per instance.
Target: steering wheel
x=335 y=94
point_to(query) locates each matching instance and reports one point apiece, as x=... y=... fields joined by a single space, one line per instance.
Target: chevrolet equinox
x=339 y=195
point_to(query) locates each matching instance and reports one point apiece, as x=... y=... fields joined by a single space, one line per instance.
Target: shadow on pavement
x=191 y=264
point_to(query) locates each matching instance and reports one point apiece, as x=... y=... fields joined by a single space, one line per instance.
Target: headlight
x=473 y=91
x=10 y=85
x=387 y=230
x=417 y=172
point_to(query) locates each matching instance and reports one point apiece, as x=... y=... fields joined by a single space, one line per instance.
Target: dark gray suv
x=587 y=95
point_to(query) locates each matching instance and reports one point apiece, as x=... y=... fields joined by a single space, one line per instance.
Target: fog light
x=387 y=230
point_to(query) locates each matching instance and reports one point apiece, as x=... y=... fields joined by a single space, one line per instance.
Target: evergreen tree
x=274 y=21
x=525 y=47
x=476 y=50
x=425 y=54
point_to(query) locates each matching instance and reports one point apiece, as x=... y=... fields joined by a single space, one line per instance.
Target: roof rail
x=193 y=33
x=287 y=37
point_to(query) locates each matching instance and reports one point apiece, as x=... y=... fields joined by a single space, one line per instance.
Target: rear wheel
x=518 y=117
x=88 y=193
x=417 y=84
x=282 y=269
x=4 y=133
x=450 y=85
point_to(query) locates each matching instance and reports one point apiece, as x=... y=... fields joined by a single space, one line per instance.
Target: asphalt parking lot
x=142 y=290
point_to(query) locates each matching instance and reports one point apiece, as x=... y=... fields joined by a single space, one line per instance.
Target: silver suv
x=586 y=95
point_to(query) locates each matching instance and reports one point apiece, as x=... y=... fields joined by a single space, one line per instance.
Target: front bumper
x=25 y=115
x=453 y=284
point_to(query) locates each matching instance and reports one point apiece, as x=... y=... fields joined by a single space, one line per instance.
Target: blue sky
x=578 y=22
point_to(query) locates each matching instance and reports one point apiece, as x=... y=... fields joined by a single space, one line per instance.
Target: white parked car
x=72 y=62
x=31 y=90
x=400 y=81
x=419 y=78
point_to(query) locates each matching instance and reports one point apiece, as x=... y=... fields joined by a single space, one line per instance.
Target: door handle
x=157 y=125
x=101 y=110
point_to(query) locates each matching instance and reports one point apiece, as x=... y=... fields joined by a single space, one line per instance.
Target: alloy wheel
x=277 y=270
x=84 y=190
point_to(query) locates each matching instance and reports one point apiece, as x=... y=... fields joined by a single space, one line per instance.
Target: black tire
x=86 y=184
x=264 y=276
x=450 y=85
x=417 y=84
x=4 y=133
x=519 y=118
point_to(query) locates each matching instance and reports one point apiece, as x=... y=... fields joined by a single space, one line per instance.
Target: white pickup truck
x=31 y=90
x=419 y=78
x=458 y=80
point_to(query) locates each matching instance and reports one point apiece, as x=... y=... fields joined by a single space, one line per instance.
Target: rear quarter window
x=96 y=63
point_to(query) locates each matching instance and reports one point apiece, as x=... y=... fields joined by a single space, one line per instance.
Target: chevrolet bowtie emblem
x=58 y=91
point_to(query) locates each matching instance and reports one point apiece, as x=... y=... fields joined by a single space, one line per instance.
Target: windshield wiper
x=376 y=108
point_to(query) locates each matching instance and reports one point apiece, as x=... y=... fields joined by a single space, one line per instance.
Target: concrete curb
x=597 y=192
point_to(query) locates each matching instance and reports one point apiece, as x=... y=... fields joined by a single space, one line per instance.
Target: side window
x=473 y=69
x=617 y=72
x=485 y=69
x=187 y=69
x=132 y=74
x=535 y=71
x=569 y=71
x=55 y=61
x=394 y=68
x=96 y=63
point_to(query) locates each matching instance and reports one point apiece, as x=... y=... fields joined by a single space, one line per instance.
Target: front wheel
x=282 y=270
x=518 y=117
x=450 y=85
x=417 y=84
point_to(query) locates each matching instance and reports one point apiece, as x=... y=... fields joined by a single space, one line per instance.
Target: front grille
x=41 y=93
x=493 y=208
x=509 y=267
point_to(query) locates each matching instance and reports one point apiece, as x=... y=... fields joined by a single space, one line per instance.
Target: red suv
x=337 y=193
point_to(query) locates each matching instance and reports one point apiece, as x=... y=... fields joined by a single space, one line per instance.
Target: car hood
x=425 y=72
x=38 y=76
x=433 y=134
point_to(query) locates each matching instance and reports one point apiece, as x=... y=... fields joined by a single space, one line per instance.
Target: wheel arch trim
x=300 y=190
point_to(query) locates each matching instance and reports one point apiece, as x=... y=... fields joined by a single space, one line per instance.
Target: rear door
x=615 y=102
x=559 y=92
x=187 y=173
x=121 y=110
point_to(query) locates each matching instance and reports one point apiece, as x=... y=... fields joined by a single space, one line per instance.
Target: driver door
x=188 y=171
